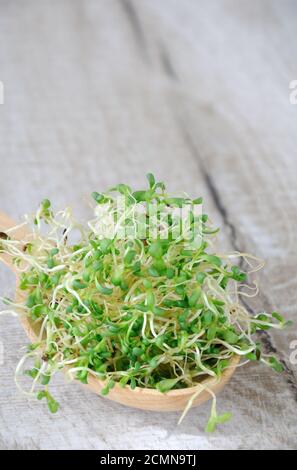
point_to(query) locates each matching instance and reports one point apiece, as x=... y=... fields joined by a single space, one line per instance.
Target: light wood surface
x=102 y=91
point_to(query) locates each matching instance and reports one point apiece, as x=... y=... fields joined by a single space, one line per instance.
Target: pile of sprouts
x=132 y=299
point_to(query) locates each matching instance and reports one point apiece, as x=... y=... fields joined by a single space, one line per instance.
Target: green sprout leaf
x=166 y=384
x=275 y=364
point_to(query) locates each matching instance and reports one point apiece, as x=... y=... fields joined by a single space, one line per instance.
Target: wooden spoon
x=142 y=398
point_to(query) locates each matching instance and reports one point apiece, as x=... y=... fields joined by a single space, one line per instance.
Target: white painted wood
x=102 y=91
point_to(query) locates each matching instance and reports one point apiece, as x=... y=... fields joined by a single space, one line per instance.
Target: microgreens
x=144 y=311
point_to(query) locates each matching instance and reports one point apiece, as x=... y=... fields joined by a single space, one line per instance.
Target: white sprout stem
x=200 y=389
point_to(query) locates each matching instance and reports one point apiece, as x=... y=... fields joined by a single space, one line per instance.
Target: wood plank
x=98 y=92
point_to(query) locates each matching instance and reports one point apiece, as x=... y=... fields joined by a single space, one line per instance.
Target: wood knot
x=3 y=236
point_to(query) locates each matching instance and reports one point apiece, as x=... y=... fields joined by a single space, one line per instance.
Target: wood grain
x=98 y=92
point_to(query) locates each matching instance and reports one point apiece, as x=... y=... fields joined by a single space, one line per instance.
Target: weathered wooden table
x=102 y=91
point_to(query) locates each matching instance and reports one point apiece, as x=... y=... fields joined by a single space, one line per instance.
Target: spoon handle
x=19 y=233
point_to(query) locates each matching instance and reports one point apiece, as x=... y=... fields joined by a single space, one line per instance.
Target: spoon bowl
x=142 y=398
